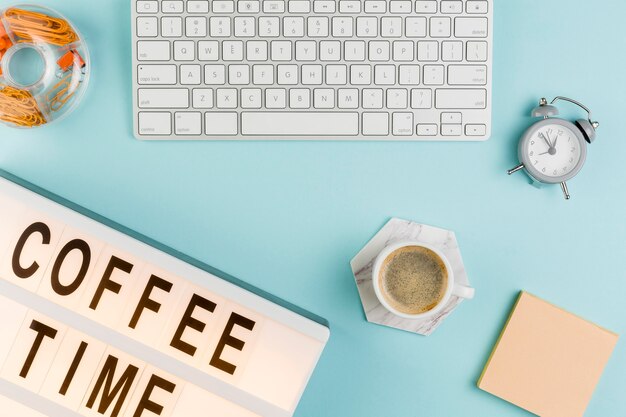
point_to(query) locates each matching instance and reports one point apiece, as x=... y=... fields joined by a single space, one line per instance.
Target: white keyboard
x=319 y=69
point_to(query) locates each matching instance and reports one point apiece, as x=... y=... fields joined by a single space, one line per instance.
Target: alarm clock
x=554 y=150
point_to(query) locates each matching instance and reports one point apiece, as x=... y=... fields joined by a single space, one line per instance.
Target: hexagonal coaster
x=400 y=230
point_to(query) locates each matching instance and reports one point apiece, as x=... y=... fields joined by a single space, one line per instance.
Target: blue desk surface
x=288 y=217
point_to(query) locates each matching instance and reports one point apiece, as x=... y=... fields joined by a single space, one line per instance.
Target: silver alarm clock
x=554 y=150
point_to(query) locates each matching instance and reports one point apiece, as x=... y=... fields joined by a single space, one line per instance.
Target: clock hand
x=545 y=139
x=544 y=153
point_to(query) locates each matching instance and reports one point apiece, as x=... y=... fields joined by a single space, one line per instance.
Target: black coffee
x=413 y=279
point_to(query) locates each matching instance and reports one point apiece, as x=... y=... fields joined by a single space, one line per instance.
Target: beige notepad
x=547 y=361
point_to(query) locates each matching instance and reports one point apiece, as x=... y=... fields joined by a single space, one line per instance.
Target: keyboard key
x=300 y=124
x=336 y=75
x=214 y=74
x=402 y=124
x=156 y=74
x=163 y=98
x=188 y=123
x=470 y=27
x=426 y=6
x=226 y=98
x=452 y=118
x=232 y=50
x=269 y=27
x=452 y=51
x=246 y=6
x=424 y=129
x=275 y=98
x=330 y=51
x=155 y=123
x=299 y=98
x=354 y=51
x=220 y=124
x=306 y=51
x=318 y=27
x=208 y=50
x=475 y=130
x=281 y=50
x=391 y=27
x=342 y=27
x=151 y=6
x=263 y=74
x=256 y=51
x=184 y=51
x=461 y=99
x=350 y=6
x=421 y=98
x=403 y=51
x=223 y=6
x=202 y=98
x=428 y=51
x=451 y=130
x=366 y=27
x=190 y=74
x=433 y=75
x=409 y=74
x=451 y=7
x=239 y=74
x=440 y=27
x=153 y=51
x=220 y=27
x=476 y=51
x=273 y=6
x=172 y=6
x=375 y=124
x=251 y=98
x=196 y=27
x=385 y=74
x=147 y=27
x=348 y=98
x=324 y=98
x=477 y=7
x=397 y=98
x=171 y=27
x=377 y=7
x=287 y=74
x=416 y=27
x=299 y=6
x=379 y=51
x=360 y=74
x=293 y=27
x=400 y=7
x=197 y=6
x=467 y=75
x=320 y=6
x=373 y=98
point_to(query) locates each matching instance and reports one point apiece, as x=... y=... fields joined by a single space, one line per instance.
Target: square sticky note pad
x=547 y=361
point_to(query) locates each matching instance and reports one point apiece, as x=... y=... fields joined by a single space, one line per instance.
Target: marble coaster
x=398 y=230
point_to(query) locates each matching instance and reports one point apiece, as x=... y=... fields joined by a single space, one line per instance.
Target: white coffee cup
x=453 y=288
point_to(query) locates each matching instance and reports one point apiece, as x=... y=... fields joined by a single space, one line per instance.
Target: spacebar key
x=299 y=124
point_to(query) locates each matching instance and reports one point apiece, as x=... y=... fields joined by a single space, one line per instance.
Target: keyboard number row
x=314 y=27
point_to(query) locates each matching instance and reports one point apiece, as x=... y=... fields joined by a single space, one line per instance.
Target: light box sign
x=96 y=322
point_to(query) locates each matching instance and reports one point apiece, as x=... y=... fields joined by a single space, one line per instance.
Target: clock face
x=554 y=150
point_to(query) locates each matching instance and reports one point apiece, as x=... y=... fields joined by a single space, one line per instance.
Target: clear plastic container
x=44 y=66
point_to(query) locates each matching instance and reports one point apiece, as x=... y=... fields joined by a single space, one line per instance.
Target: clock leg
x=517 y=168
x=565 y=190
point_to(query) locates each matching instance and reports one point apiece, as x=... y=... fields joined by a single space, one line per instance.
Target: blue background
x=288 y=216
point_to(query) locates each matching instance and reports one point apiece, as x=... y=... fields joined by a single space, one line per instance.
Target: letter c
x=28 y=272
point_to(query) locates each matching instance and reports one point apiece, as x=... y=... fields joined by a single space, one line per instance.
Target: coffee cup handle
x=463 y=291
